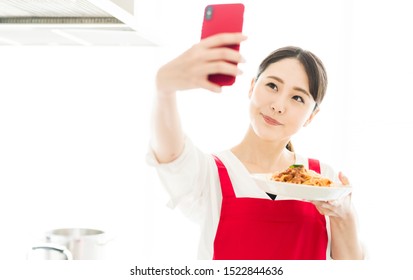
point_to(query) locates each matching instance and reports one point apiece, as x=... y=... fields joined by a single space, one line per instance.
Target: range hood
x=70 y=22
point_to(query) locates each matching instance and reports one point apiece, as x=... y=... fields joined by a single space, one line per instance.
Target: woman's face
x=280 y=101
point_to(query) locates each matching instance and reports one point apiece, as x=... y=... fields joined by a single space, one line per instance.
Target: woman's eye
x=272 y=86
x=298 y=98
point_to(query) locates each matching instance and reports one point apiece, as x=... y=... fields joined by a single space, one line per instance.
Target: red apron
x=263 y=229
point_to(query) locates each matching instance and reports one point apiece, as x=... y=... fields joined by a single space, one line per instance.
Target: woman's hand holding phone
x=191 y=69
x=209 y=64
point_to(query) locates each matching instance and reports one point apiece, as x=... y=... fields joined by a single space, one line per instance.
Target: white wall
x=74 y=126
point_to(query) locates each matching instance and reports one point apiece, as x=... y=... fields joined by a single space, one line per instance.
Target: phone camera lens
x=208 y=12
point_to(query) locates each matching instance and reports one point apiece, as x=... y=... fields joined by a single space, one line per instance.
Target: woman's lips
x=270 y=120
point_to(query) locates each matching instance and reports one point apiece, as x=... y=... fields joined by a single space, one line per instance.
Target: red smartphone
x=223 y=18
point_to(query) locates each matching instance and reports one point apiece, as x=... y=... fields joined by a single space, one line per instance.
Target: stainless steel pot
x=71 y=243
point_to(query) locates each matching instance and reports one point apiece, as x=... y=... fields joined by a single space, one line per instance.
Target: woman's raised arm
x=190 y=70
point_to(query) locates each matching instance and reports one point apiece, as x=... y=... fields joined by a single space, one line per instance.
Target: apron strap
x=314 y=164
x=226 y=185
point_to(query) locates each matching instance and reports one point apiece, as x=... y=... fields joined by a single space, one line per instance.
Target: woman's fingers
x=328 y=208
x=222 y=67
x=223 y=39
x=192 y=68
x=344 y=180
x=224 y=54
x=336 y=208
x=217 y=49
x=320 y=208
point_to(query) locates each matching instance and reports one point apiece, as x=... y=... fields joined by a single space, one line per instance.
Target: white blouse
x=193 y=185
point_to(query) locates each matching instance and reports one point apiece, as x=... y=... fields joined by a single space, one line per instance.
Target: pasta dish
x=297 y=174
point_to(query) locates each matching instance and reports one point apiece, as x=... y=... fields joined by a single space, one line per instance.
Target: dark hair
x=317 y=76
x=314 y=68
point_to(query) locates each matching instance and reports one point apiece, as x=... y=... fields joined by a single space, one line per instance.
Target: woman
x=239 y=220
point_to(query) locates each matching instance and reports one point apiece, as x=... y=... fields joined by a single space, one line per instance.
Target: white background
x=74 y=124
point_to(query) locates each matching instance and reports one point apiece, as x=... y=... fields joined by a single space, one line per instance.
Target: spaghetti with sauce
x=298 y=174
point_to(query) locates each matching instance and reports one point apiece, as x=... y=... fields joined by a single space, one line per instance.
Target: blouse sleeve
x=186 y=178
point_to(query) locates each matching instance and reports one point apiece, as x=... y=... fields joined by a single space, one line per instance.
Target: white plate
x=300 y=191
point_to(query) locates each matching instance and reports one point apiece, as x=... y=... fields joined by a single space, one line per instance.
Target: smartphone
x=223 y=18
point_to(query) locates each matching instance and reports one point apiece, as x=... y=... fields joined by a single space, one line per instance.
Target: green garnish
x=296 y=166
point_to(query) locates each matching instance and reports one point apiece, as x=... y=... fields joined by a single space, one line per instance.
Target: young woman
x=239 y=220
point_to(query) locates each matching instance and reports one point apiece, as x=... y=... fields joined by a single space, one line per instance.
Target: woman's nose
x=278 y=107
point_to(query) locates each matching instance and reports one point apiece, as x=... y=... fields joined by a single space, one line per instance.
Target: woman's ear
x=316 y=110
x=251 y=87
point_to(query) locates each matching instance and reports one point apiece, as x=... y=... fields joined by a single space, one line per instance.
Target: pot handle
x=53 y=247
